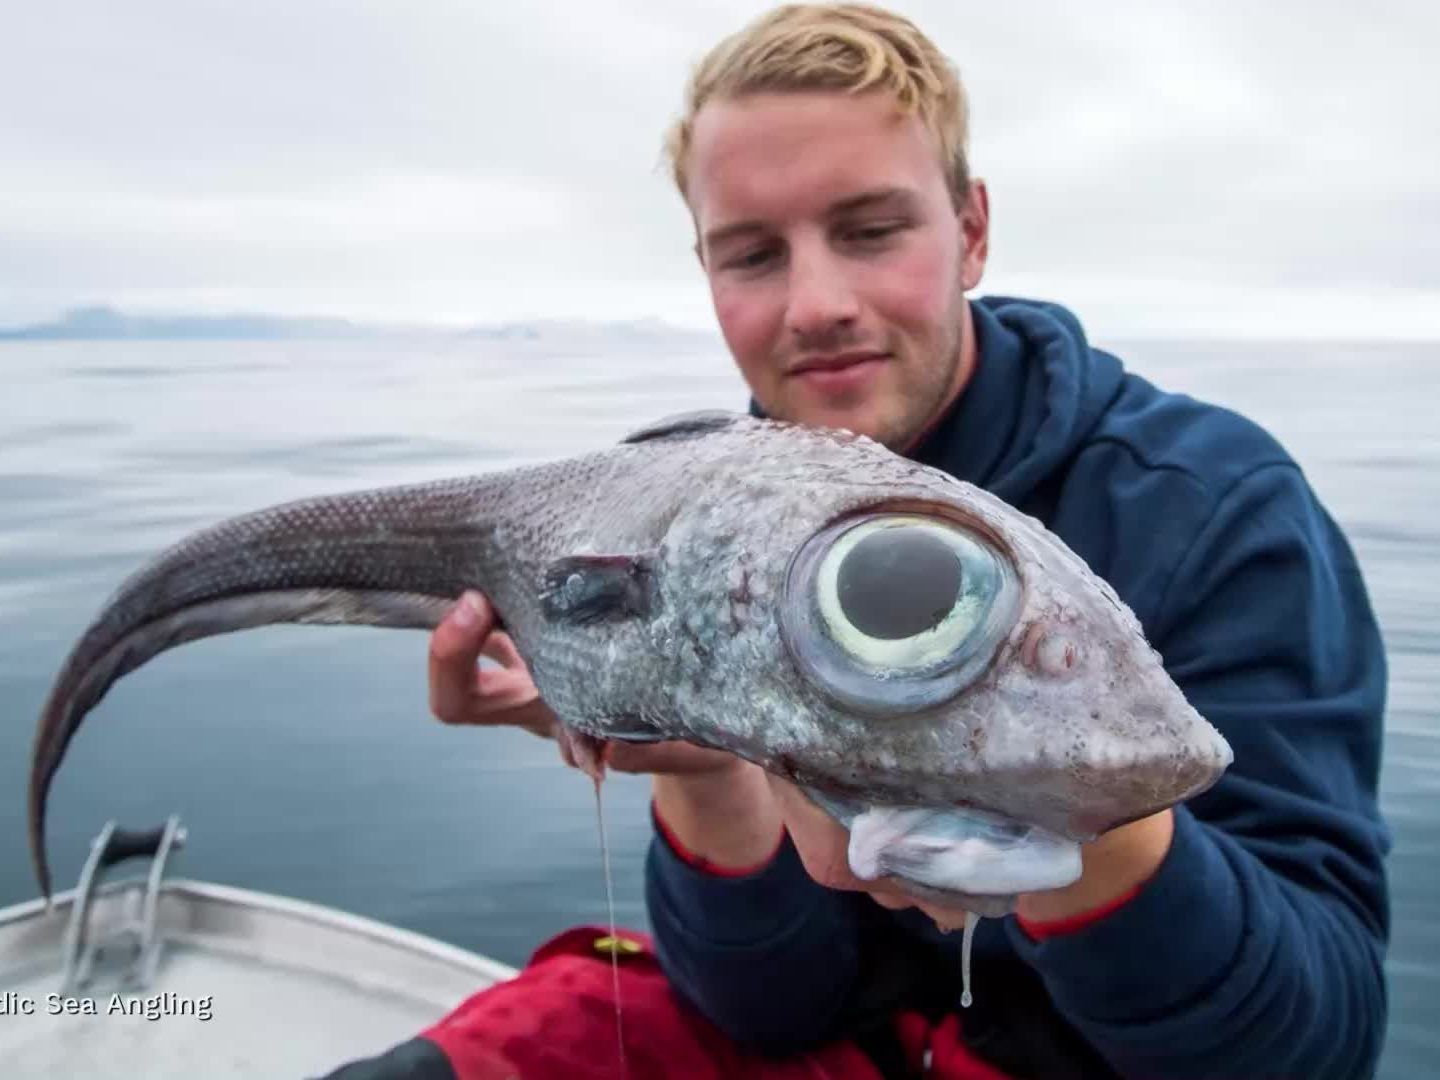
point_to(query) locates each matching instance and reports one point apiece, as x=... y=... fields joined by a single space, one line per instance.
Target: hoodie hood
x=1037 y=393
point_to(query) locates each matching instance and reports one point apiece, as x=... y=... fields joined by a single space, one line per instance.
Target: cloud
x=454 y=160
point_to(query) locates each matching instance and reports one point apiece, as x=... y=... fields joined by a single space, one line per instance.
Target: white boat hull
x=247 y=984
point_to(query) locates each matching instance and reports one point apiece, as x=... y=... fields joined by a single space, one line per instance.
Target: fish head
x=895 y=641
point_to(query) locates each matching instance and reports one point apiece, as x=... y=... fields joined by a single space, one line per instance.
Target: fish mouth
x=954 y=857
x=957 y=858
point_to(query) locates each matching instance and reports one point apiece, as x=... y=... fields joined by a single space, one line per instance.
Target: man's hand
x=714 y=803
x=463 y=692
x=1113 y=865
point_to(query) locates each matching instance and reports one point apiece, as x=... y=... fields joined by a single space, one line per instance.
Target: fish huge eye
x=902 y=593
x=893 y=583
x=891 y=613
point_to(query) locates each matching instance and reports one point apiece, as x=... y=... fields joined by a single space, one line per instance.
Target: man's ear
x=974 y=215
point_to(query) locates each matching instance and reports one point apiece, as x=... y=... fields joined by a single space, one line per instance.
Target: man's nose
x=821 y=297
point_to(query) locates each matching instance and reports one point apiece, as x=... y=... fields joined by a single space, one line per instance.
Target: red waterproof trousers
x=556 y=1021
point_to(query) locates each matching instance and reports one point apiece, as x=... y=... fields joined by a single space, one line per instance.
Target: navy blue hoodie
x=1257 y=947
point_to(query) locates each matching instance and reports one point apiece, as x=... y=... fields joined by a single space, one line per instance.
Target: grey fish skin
x=646 y=587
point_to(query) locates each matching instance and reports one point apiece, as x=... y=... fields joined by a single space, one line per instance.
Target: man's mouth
x=838 y=371
x=836 y=361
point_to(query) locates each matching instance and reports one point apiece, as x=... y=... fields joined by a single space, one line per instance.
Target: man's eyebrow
x=729 y=232
x=898 y=197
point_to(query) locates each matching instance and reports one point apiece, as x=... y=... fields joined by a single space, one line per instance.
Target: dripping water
x=971 y=921
x=614 y=940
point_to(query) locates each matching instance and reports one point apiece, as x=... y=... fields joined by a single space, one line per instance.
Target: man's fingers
x=567 y=750
x=500 y=647
x=675 y=758
x=455 y=647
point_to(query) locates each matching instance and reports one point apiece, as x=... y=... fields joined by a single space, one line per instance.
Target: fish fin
x=631 y=728
x=587 y=588
x=684 y=425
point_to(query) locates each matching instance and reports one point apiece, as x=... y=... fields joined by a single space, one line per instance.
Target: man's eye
x=869 y=234
x=754 y=259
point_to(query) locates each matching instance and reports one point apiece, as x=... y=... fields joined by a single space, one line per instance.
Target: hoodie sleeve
x=1257 y=947
x=720 y=938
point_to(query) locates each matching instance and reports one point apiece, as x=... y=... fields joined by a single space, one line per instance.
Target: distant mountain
x=580 y=330
x=109 y=324
x=94 y=323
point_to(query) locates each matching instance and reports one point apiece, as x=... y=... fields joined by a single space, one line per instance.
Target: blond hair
x=845 y=47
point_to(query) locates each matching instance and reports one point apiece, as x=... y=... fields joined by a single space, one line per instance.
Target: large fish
x=936 y=669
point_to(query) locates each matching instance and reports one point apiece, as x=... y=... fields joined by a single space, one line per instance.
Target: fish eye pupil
x=898 y=582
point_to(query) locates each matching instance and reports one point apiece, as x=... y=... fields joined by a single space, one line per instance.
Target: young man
x=822 y=156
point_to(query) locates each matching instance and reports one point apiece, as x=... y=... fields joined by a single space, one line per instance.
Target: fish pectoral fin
x=589 y=588
x=684 y=425
x=631 y=728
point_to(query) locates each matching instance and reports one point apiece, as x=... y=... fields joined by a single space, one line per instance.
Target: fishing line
x=614 y=939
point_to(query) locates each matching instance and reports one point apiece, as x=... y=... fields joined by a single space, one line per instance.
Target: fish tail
x=392 y=557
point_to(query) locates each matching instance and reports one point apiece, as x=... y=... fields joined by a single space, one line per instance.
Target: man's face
x=836 y=258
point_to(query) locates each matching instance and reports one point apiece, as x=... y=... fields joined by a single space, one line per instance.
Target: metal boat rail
x=167 y=977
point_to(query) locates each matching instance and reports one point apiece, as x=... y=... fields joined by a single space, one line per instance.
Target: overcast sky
x=1160 y=167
